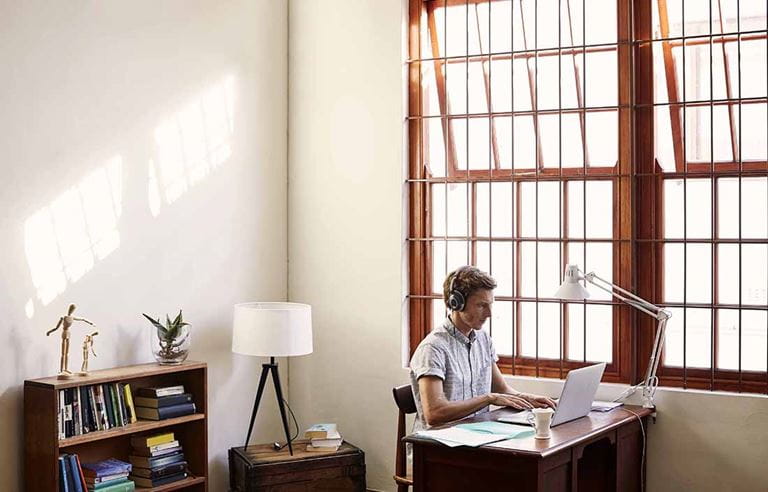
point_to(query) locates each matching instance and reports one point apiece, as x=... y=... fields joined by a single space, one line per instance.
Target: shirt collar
x=451 y=329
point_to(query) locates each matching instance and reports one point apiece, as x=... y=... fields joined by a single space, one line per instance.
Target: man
x=453 y=370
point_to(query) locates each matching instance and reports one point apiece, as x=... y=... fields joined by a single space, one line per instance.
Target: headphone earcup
x=456 y=301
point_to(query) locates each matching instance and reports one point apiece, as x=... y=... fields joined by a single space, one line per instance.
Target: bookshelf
x=42 y=445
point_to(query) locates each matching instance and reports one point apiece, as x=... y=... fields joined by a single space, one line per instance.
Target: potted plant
x=170 y=343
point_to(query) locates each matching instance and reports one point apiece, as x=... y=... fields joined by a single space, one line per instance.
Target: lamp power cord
x=276 y=445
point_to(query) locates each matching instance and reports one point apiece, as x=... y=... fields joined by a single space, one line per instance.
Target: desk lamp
x=272 y=329
x=572 y=290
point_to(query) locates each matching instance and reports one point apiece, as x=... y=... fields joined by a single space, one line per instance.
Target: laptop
x=575 y=400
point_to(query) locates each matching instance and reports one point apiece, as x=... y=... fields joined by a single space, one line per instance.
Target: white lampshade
x=272 y=329
x=571 y=289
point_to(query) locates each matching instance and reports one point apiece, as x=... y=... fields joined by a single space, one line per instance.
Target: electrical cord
x=642 y=459
x=277 y=446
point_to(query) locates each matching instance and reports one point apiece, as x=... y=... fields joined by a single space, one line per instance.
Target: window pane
x=698 y=134
x=498 y=220
x=722 y=139
x=571 y=71
x=549 y=127
x=599 y=333
x=675 y=15
x=502 y=327
x=456 y=84
x=547 y=77
x=572 y=141
x=547 y=23
x=549 y=200
x=524 y=15
x=754 y=274
x=601 y=73
x=753 y=339
x=503 y=125
x=455 y=217
x=698 y=274
x=572 y=23
x=673 y=340
x=601 y=21
x=664 y=149
x=753 y=139
x=599 y=209
x=429 y=98
x=602 y=138
x=549 y=268
x=575 y=331
x=500 y=73
x=549 y=330
x=502 y=267
x=525 y=143
x=753 y=76
x=457 y=255
x=527 y=269
x=528 y=209
x=698 y=326
x=728 y=273
x=456 y=24
x=698 y=66
x=600 y=261
x=728 y=208
x=673 y=273
x=754 y=208
x=478 y=101
x=479 y=143
x=458 y=137
x=527 y=329
x=434 y=147
x=575 y=209
x=438 y=312
x=521 y=97
x=698 y=199
x=501 y=25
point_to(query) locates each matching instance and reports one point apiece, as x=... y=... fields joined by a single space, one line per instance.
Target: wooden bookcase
x=42 y=445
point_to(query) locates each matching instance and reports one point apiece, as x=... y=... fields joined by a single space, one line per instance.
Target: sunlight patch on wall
x=191 y=143
x=64 y=239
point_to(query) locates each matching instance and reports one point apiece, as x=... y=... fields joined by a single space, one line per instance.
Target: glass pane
x=549 y=128
x=660 y=81
x=697 y=68
x=571 y=71
x=728 y=208
x=479 y=143
x=599 y=209
x=698 y=199
x=456 y=23
x=429 y=97
x=754 y=208
x=501 y=25
x=549 y=330
x=549 y=269
x=527 y=286
x=571 y=23
x=549 y=200
x=754 y=274
x=439 y=267
x=674 y=14
x=527 y=311
x=575 y=331
x=753 y=76
x=454 y=218
x=478 y=29
x=547 y=77
x=576 y=255
x=728 y=273
x=601 y=21
x=478 y=99
x=500 y=74
x=698 y=326
x=698 y=133
x=673 y=339
x=752 y=16
x=602 y=138
x=572 y=141
x=600 y=261
x=753 y=140
x=728 y=339
x=438 y=312
x=753 y=340
x=674 y=221
x=599 y=333
x=575 y=209
x=521 y=96
x=458 y=138
x=494 y=212
x=547 y=23
x=698 y=274
x=503 y=125
x=664 y=149
x=434 y=147
x=722 y=140
x=502 y=267
x=458 y=255
x=456 y=84
x=525 y=143
x=601 y=73
x=673 y=273
x=524 y=15
x=502 y=328
x=528 y=209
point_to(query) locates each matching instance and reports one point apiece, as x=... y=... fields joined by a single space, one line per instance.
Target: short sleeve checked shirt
x=463 y=363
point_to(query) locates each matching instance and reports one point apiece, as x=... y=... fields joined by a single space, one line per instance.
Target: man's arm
x=499 y=385
x=439 y=410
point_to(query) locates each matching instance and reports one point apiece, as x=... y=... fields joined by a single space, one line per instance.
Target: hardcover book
x=322 y=431
x=101 y=481
x=160 y=472
x=156 y=392
x=122 y=485
x=165 y=412
x=149 y=482
x=154 y=463
x=154 y=453
x=149 y=441
x=163 y=401
x=100 y=469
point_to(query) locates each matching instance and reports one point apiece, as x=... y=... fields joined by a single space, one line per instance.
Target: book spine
x=129 y=400
x=108 y=405
x=176 y=411
x=69 y=427
x=102 y=402
x=62 y=433
x=80 y=472
x=123 y=407
x=74 y=472
x=84 y=417
x=62 y=474
x=116 y=404
x=69 y=476
x=96 y=409
x=76 y=411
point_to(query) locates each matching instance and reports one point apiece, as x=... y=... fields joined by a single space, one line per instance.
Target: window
x=532 y=146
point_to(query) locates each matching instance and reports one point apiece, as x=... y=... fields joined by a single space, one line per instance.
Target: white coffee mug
x=540 y=419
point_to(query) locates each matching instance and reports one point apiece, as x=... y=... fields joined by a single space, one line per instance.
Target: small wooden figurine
x=64 y=323
x=87 y=344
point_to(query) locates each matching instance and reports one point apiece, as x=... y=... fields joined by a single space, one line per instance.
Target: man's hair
x=468 y=279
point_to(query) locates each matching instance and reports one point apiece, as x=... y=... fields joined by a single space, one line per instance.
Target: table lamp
x=572 y=290
x=272 y=329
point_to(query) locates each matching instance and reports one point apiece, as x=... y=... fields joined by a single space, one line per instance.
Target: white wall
x=86 y=81
x=345 y=258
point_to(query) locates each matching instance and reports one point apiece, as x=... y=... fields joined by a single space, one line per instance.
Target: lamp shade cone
x=272 y=329
x=571 y=289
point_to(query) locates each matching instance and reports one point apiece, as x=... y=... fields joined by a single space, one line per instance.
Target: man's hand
x=513 y=401
x=540 y=401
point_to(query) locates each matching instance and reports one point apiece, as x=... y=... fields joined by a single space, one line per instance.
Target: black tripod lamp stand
x=272 y=329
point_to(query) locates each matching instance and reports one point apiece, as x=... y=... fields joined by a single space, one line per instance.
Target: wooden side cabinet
x=261 y=468
x=42 y=445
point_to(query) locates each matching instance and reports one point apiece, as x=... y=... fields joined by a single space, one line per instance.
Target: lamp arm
x=627 y=297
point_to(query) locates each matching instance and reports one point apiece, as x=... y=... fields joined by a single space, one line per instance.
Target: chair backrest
x=404 y=399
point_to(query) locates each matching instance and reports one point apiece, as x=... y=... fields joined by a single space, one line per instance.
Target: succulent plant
x=169 y=335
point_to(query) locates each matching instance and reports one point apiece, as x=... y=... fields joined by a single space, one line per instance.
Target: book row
x=96 y=407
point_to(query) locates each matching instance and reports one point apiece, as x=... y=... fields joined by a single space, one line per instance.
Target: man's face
x=477 y=309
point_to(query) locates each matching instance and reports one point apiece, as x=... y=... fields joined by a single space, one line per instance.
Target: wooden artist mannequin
x=87 y=344
x=64 y=323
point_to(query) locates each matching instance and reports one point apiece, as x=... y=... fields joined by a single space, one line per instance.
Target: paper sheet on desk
x=454 y=436
x=509 y=431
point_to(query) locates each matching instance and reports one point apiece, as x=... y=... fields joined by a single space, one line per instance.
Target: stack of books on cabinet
x=71 y=424
x=157 y=460
x=323 y=438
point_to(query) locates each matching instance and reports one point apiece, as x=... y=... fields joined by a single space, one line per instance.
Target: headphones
x=456 y=298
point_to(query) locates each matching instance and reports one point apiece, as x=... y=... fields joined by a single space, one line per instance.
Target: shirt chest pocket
x=482 y=376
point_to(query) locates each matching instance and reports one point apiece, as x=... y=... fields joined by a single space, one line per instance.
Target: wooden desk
x=602 y=451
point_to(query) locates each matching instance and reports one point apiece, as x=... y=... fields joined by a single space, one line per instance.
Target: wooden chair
x=404 y=400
